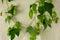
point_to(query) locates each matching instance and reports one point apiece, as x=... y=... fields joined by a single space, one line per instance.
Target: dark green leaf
x=15 y=30
x=41 y=10
x=11 y=33
x=12 y=36
x=45 y=24
x=48 y=7
x=17 y=27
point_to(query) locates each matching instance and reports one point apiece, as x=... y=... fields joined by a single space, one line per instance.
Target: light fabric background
x=50 y=33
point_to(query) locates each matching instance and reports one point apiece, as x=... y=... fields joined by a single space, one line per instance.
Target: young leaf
x=54 y=17
x=7 y=19
x=33 y=7
x=31 y=14
x=41 y=2
x=12 y=10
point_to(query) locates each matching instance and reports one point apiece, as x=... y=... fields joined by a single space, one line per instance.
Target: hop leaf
x=48 y=7
x=41 y=10
x=12 y=10
x=7 y=19
x=33 y=8
x=33 y=32
x=15 y=30
x=49 y=22
x=41 y=17
x=54 y=17
x=31 y=14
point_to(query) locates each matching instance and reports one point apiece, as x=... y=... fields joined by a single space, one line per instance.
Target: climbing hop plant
x=13 y=30
x=45 y=15
x=43 y=10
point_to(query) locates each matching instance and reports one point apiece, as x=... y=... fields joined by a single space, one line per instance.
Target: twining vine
x=43 y=10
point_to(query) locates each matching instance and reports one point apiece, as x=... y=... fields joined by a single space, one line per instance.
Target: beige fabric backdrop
x=50 y=33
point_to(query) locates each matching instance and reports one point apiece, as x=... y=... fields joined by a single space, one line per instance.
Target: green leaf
x=17 y=24
x=41 y=17
x=45 y=24
x=54 y=14
x=33 y=7
x=1 y=14
x=31 y=14
x=17 y=27
x=31 y=30
x=48 y=7
x=43 y=20
x=54 y=17
x=12 y=36
x=41 y=10
x=32 y=37
x=41 y=2
x=15 y=30
x=10 y=0
x=49 y=22
x=7 y=19
x=12 y=10
x=32 y=33
x=11 y=33
x=9 y=29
